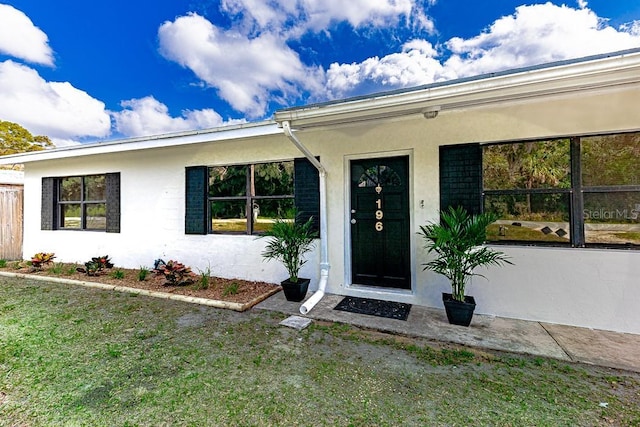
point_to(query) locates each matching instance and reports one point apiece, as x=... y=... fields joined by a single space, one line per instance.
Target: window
x=82 y=203
x=581 y=191
x=528 y=185
x=90 y=202
x=249 y=198
x=246 y=199
x=610 y=175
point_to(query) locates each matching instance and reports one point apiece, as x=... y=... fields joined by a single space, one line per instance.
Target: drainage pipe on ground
x=324 y=248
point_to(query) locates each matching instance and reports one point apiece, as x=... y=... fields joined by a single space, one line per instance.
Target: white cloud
x=147 y=116
x=54 y=109
x=247 y=72
x=21 y=39
x=252 y=65
x=415 y=65
x=295 y=17
x=322 y=13
x=632 y=28
x=533 y=35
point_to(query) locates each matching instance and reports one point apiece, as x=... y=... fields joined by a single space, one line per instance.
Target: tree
x=16 y=139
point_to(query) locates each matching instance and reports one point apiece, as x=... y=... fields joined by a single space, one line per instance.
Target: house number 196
x=379 y=215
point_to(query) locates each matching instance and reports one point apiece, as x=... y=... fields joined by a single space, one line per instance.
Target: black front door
x=380 y=222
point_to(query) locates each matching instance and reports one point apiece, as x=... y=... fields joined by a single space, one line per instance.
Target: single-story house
x=554 y=150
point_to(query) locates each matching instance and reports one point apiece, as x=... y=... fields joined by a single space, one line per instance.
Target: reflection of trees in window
x=379 y=175
x=528 y=165
x=82 y=202
x=611 y=188
x=247 y=198
x=228 y=181
x=529 y=182
x=611 y=159
x=530 y=186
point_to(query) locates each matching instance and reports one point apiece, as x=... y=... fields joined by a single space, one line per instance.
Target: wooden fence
x=11 y=215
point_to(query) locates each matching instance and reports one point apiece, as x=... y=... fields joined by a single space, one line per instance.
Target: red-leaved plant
x=176 y=273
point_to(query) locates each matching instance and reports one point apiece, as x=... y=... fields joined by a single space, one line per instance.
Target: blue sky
x=81 y=71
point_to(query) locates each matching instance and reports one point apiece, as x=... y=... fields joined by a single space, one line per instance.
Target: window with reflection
x=82 y=202
x=610 y=168
x=529 y=185
x=249 y=198
x=379 y=175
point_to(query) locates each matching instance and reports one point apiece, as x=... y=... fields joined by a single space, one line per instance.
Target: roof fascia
x=607 y=72
x=246 y=130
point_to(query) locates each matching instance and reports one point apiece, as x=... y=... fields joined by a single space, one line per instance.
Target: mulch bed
x=220 y=289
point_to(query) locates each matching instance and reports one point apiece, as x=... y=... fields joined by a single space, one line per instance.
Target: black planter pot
x=459 y=313
x=295 y=291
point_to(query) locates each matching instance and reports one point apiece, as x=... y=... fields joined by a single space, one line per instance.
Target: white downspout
x=324 y=247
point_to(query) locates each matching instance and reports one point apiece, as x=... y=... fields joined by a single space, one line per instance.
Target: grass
x=77 y=356
x=231 y=289
x=632 y=236
x=515 y=233
x=117 y=274
x=143 y=272
x=203 y=279
x=57 y=268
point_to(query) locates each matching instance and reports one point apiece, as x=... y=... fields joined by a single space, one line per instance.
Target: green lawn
x=71 y=356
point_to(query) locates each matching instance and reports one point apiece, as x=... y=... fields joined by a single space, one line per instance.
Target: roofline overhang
x=615 y=70
x=234 y=132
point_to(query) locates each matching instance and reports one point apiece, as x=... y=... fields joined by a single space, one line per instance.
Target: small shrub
x=57 y=268
x=71 y=269
x=143 y=273
x=176 y=273
x=3 y=263
x=117 y=274
x=203 y=281
x=231 y=289
x=17 y=265
x=41 y=259
x=96 y=266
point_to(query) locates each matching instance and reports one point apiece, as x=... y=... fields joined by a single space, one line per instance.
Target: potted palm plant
x=457 y=242
x=289 y=241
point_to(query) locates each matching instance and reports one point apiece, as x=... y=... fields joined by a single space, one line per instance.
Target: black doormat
x=374 y=307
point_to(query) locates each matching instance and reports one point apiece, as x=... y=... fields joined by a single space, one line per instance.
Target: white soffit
x=616 y=70
x=247 y=130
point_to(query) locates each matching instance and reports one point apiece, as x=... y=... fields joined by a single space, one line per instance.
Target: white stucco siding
x=152 y=212
x=585 y=287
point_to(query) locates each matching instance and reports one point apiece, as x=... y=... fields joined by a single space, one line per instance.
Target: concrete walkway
x=603 y=348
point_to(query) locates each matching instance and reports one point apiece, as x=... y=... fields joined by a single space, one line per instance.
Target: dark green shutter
x=113 y=202
x=195 y=218
x=307 y=191
x=48 y=204
x=461 y=177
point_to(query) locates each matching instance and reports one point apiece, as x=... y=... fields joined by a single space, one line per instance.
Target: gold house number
x=379 y=215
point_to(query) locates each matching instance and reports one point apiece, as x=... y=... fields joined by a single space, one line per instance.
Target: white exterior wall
x=594 y=288
x=583 y=287
x=152 y=212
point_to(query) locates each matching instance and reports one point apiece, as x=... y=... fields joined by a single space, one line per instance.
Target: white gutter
x=324 y=246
